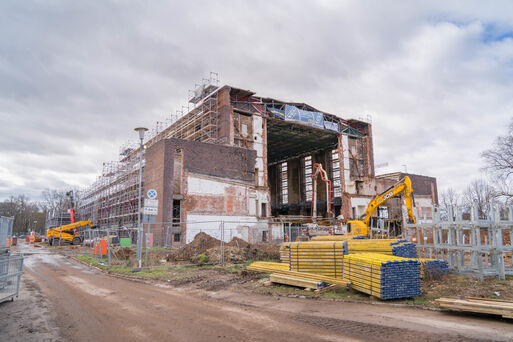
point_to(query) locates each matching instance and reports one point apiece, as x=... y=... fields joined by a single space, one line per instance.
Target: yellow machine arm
x=403 y=186
x=74 y=225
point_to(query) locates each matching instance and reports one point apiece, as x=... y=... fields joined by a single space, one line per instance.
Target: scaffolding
x=112 y=200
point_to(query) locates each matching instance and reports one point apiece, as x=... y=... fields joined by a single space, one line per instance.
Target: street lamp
x=141 y=131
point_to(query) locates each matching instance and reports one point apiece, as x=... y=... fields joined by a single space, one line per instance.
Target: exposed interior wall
x=227 y=227
x=170 y=162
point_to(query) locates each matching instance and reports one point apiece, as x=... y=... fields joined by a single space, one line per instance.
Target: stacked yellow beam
x=332 y=238
x=319 y=257
x=276 y=268
x=394 y=247
x=383 y=276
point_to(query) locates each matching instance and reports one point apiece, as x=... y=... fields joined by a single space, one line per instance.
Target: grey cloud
x=75 y=78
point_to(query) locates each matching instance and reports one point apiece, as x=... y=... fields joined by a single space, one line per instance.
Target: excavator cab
x=357 y=228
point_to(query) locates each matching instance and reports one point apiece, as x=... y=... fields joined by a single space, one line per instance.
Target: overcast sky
x=77 y=76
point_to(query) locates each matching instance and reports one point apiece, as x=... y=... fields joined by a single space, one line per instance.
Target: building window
x=307 y=176
x=264 y=210
x=335 y=174
x=176 y=211
x=284 y=183
x=176 y=237
x=264 y=236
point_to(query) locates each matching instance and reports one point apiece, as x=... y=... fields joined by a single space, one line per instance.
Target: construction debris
x=503 y=308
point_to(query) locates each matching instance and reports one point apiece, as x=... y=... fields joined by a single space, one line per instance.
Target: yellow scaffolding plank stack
x=332 y=238
x=277 y=268
x=383 y=276
x=319 y=257
x=396 y=247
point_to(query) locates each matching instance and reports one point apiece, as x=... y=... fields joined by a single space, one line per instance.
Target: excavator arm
x=402 y=187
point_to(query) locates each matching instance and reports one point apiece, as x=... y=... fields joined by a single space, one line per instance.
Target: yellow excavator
x=68 y=233
x=403 y=187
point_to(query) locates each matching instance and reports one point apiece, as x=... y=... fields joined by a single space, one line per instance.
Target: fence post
x=222 y=242
x=108 y=245
x=147 y=240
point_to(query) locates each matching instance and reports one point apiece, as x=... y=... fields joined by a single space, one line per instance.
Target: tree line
x=31 y=215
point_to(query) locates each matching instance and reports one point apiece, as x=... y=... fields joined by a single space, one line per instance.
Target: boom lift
x=72 y=205
x=68 y=233
x=403 y=187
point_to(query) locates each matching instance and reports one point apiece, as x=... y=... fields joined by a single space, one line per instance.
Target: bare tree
x=481 y=192
x=499 y=163
x=54 y=201
x=449 y=198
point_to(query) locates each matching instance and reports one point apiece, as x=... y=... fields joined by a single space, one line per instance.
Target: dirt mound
x=201 y=243
x=231 y=254
x=235 y=251
x=124 y=253
x=238 y=242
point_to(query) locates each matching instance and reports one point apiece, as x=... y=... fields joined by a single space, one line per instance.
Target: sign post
x=150 y=211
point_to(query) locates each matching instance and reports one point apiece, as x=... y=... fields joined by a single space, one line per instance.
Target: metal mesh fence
x=10 y=273
x=118 y=246
x=6 y=224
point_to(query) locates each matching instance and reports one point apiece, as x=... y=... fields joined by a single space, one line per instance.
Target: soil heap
x=235 y=251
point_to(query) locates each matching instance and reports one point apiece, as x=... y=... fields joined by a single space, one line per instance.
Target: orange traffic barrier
x=100 y=247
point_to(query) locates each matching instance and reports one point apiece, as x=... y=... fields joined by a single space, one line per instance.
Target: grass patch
x=165 y=272
x=93 y=261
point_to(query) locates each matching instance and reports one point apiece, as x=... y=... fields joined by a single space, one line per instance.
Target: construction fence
x=159 y=239
x=472 y=241
x=11 y=265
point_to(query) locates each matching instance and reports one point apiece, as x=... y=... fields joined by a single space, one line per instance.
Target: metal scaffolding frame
x=111 y=201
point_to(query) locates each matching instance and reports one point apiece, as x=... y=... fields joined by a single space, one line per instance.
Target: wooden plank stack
x=499 y=307
x=383 y=276
x=282 y=269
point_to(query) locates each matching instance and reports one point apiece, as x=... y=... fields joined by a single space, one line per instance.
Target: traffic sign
x=150 y=210
x=151 y=202
x=152 y=194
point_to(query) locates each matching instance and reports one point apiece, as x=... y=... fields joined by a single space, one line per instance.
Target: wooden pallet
x=499 y=307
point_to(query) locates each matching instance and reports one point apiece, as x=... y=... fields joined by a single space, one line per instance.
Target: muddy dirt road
x=83 y=304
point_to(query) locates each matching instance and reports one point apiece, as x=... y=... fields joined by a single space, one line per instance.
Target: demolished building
x=242 y=159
